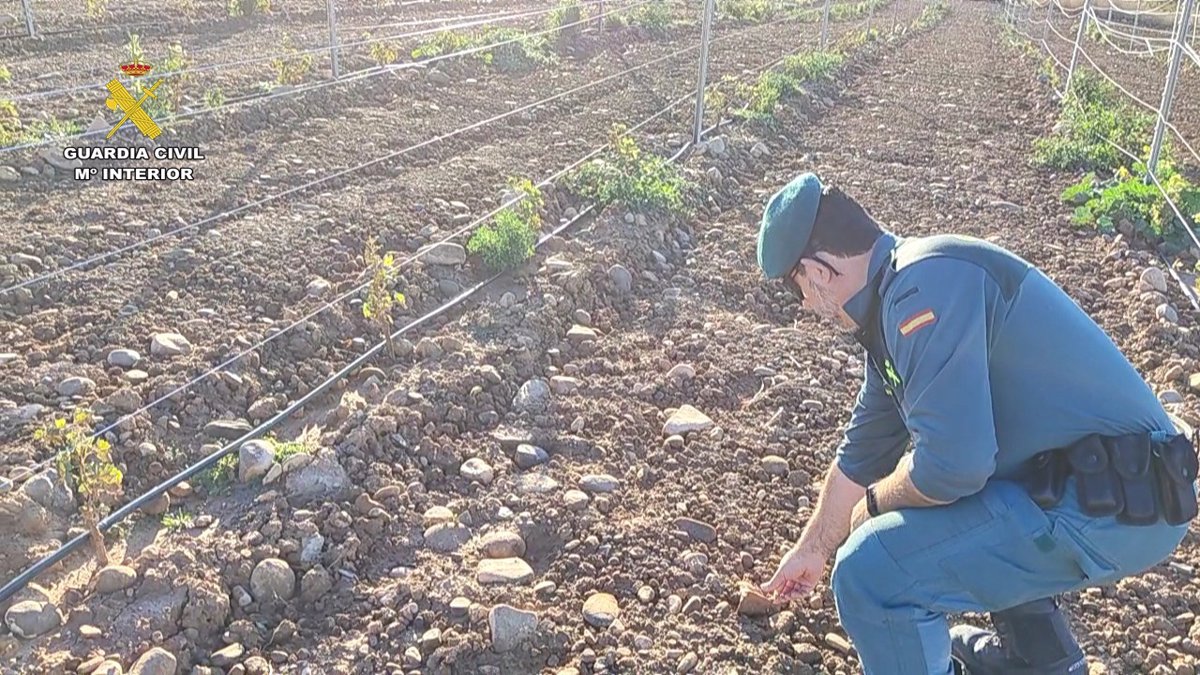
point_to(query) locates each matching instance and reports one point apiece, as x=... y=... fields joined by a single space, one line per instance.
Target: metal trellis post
x=1046 y=25
x=1136 y=20
x=27 y=11
x=1083 y=18
x=705 y=32
x=825 y=25
x=1164 y=110
x=333 y=39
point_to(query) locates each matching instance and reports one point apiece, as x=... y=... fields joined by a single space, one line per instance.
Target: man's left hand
x=859 y=515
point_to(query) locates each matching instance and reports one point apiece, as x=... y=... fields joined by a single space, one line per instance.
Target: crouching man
x=1041 y=462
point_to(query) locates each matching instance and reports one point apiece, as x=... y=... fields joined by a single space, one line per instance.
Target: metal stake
x=1164 y=110
x=333 y=38
x=1136 y=19
x=705 y=32
x=1083 y=18
x=28 y=12
x=825 y=25
x=1046 y=25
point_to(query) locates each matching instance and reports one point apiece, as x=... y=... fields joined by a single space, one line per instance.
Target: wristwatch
x=872 y=503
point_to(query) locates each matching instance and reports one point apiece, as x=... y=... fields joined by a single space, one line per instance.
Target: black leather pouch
x=1046 y=478
x=1176 y=466
x=1096 y=480
x=1131 y=458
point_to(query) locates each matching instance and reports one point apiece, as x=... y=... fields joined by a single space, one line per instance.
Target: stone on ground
x=123 y=358
x=504 y=571
x=775 y=465
x=529 y=456
x=533 y=396
x=503 y=545
x=599 y=483
x=322 y=478
x=32 y=618
x=272 y=579
x=115 y=578
x=601 y=610
x=1154 y=279
x=475 y=469
x=510 y=627
x=157 y=661
x=446 y=537
x=255 y=458
x=686 y=419
x=169 y=344
x=753 y=603
x=75 y=386
x=697 y=530
x=437 y=514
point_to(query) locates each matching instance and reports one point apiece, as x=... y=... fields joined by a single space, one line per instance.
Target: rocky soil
x=583 y=471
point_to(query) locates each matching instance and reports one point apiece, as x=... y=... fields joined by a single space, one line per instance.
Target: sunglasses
x=789 y=280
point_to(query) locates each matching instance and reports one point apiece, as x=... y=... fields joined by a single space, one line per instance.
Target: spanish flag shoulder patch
x=917 y=321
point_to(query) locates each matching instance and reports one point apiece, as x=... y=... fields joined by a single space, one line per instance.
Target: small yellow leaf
x=60 y=423
x=102 y=445
x=367 y=311
x=399 y=297
x=80 y=416
x=388 y=260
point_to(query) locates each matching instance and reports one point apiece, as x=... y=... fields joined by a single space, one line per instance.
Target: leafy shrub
x=627 y=176
x=813 y=66
x=508 y=241
x=381 y=298
x=177 y=520
x=214 y=98
x=383 y=53
x=521 y=51
x=307 y=443
x=1091 y=113
x=931 y=15
x=219 y=476
x=1126 y=201
x=654 y=16
x=293 y=68
x=85 y=466
x=750 y=11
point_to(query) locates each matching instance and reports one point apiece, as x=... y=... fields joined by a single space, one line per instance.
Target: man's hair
x=842 y=227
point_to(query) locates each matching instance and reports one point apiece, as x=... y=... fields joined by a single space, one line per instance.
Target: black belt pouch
x=1176 y=470
x=1095 y=479
x=1046 y=478
x=1131 y=458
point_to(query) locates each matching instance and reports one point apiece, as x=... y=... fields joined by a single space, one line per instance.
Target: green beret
x=787 y=224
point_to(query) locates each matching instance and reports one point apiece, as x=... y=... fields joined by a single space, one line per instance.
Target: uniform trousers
x=899 y=574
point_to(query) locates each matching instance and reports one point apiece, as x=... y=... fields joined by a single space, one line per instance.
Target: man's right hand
x=799 y=572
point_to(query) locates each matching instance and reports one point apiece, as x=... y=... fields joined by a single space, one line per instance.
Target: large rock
x=533 y=396
x=317 y=288
x=75 y=386
x=447 y=537
x=529 y=456
x=600 y=483
x=255 y=459
x=622 y=278
x=753 y=603
x=697 y=530
x=503 y=545
x=444 y=253
x=315 y=584
x=48 y=490
x=475 y=469
x=157 y=661
x=686 y=419
x=229 y=430
x=272 y=579
x=169 y=344
x=32 y=618
x=1154 y=279
x=504 y=571
x=227 y=656
x=510 y=627
x=124 y=400
x=20 y=514
x=601 y=610
x=115 y=578
x=123 y=358
x=322 y=478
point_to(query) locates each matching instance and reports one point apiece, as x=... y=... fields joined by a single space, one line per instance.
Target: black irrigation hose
x=19 y=582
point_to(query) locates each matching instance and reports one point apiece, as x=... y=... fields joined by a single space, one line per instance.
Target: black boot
x=1030 y=639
